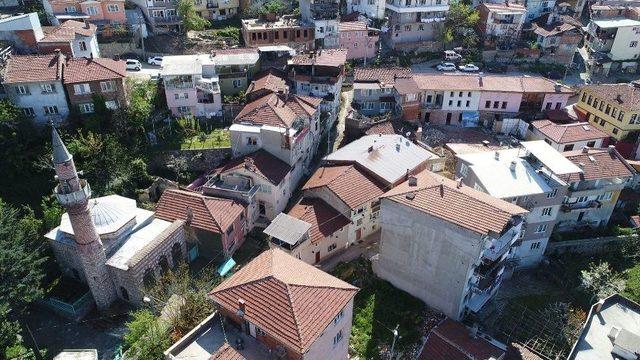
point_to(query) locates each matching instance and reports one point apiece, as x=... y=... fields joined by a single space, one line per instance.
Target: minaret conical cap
x=60 y=152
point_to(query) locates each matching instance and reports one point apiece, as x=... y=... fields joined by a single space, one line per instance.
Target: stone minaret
x=73 y=194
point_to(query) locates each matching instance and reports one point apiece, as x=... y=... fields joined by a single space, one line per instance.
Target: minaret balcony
x=73 y=198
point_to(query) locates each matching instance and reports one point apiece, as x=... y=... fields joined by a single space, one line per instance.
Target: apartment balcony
x=213 y=5
x=216 y=187
x=480 y=296
x=504 y=21
x=403 y=7
x=501 y=245
x=588 y=186
x=587 y=205
x=486 y=275
x=166 y=20
x=432 y=106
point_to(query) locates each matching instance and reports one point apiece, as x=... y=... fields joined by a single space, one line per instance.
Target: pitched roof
x=287 y=298
x=227 y=352
x=383 y=127
x=352 y=26
x=461 y=205
x=626 y=95
x=97 y=69
x=406 y=86
x=34 y=68
x=209 y=213
x=277 y=110
x=498 y=83
x=261 y=163
x=67 y=31
x=598 y=164
x=558 y=27
x=382 y=75
x=325 y=57
x=568 y=133
x=451 y=340
x=348 y=183
x=272 y=79
x=324 y=219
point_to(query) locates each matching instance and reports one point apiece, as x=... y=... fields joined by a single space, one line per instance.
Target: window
x=621 y=115
x=113 y=8
x=504 y=105
x=633 y=44
x=70 y=9
x=595 y=103
x=464 y=169
x=252 y=141
x=51 y=110
x=87 y=108
x=460 y=94
x=111 y=104
x=407 y=28
x=28 y=112
x=547 y=211
x=606 y=196
x=47 y=88
x=340 y=315
x=535 y=245
x=229 y=230
x=487 y=104
x=552 y=194
x=548 y=106
x=459 y=103
x=608 y=109
x=589 y=100
x=469 y=94
x=496 y=104
x=541 y=228
x=468 y=103
x=450 y=102
x=634 y=119
x=614 y=112
x=568 y=147
x=80 y=89
x=237 y=83
x=584 y=96
x=591 y=144
x=331 y=247
x=337 y=338
x=22 y=90
x=92 y=10
x=420 y=27
x=615 y=131
x=108 y=86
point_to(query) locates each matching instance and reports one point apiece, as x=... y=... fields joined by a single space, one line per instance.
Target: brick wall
x=118 y=94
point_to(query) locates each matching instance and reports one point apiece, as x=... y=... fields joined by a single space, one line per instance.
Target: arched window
x=164 y=264
x=149 y=278
x=125 y=293
x=176 y=254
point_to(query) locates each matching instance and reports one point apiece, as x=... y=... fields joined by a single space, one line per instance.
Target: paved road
x=146 y=72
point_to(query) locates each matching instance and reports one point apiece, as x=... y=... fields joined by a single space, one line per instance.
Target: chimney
x=248 y=163
x=398 y=147
x=189 y=216
x=480 y=74
x=370 y=149
x=86 y=24
x=441 y=190
x=413 y=181
x=459 y=185
x=612 y=149
x=497 y=155
x=585 y=150
x=512 y=166
x=557 y=87
x=581 y=165
x=213 y=54
x=241 y=307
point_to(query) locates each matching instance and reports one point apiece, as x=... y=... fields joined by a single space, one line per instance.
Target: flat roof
x=614 y=23
x=184 y=64
x=387 y=156
x=287 y=228
x=551 y=158
x=499 y=180
x=276 y=48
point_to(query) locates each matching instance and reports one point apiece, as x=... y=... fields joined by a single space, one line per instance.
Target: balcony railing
x=213 y=5
x=215 y=187
x=500 y=246
x=592 y=204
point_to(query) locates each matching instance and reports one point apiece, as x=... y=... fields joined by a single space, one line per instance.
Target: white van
x=450 y=55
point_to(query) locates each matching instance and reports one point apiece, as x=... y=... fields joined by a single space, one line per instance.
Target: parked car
x=446 y=67
x=155 y=60
x=468 y=68
x=450 y=55
x=133 y=64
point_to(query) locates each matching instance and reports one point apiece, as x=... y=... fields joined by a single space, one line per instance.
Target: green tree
x=189 y=16
x=9 y=113
x=599 y=281
x=147 y=337
x=460 y=25
x=51 y=212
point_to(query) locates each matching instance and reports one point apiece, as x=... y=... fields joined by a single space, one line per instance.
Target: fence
x=74 y=311
x=585 y=246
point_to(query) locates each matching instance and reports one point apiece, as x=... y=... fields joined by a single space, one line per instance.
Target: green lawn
x=218 y=138
x=378 y=308
x=633 y=283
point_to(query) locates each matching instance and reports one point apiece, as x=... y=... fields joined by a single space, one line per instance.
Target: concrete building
x=162 y=15
x=567 y=137
x=235 y=68
x=557 y=36
x=191 y=85
x=33 y=83
x=373 y=89
x=325 y=16
x=531 y=177
x=22 y=31
x=612 y=108
x=611 y=45
x=611 y=331
x=320 y=74
x=301 y=300
x=105 y=14
x=373 y=9
x=415 y=24
x=360 y=41
x=287 y=30
x=75 y=39
x=217 y=9
x=593 y=192
x=108 y=243
x=501 y=24
x=537 y=8
x=445 y=243
x=85 y=78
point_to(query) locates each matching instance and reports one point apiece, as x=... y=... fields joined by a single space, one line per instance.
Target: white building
x=566 y=137
x=415 y=24
x=610 y=40
x=370 y=8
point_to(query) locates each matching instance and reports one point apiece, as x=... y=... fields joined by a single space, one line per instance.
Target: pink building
x=103 y=13
x=358 y=39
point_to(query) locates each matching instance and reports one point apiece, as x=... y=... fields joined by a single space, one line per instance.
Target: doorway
x=317 y=257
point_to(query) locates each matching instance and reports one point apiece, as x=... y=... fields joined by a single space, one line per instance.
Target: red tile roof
x=598 y=164
x=626 y=95
x=383 y=75
x=406 y=86
x=226 y=352
x=519 y=352
x=568 y=133
x=325 y=57
x=34 y=68
x=67 y=31
x=498 y=83
x=350 y=184
x=272 y=79
x=209 y=213
x=324 y=219
x=352 y=26
x=463 y=206
x=82 y=70
x=277 y=110
x=384 y=128
x=290 y=300
x=451 y=340
x=261 y=163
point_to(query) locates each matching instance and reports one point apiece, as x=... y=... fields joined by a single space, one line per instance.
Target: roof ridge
x=293 y=312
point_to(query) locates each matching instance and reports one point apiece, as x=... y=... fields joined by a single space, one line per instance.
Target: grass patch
x=632 y=276
x=218 y=138
x=378 y=308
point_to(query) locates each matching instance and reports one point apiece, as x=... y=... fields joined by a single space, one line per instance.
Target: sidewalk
x=368 y=248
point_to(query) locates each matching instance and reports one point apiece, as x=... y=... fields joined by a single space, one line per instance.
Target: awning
x=226 y=266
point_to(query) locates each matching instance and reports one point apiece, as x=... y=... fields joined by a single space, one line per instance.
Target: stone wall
x=584 y=246
x=198 y=160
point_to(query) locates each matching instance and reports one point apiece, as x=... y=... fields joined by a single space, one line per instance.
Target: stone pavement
x=368 y=248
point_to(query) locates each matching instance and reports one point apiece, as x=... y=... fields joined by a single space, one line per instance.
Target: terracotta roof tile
x=452 y=340
x=383 y=75
x=324 y=219
x=277 y=110
x=384 y=128
x=406 y=86
x=82 y=69
x=463 y=206
x=33 y=68
x=261 y=163
x=352 y=26
x=598 y=164
x=209 y=213
x=498 y=83
x=67 y=31
x=348 y=183
x=568 y=133
x=290 y=300
x=227 y=352
x=626 y=95
x=519 y=352
x=272 y=79
x=503 y=6
x=325 y=57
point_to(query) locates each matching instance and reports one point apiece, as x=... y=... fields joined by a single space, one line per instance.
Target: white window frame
x=237 y=83
x=47 y=88
x=82 y=45
x=552 y=194
x=22 y=90
x=108 y=86
x=92 y=10
x=51 y=110
x=111 y=104
x=113 y=8
x=87 y=108
x=337 y=338
x=547 y=211
x=541 y=228
x=81 y=89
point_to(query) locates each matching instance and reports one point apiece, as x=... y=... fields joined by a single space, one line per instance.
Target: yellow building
x=613 y=108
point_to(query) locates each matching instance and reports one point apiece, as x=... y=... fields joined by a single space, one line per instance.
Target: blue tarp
x=226 y=266
x=470 y=118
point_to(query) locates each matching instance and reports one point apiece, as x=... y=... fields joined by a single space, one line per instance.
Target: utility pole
x=393 y=344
